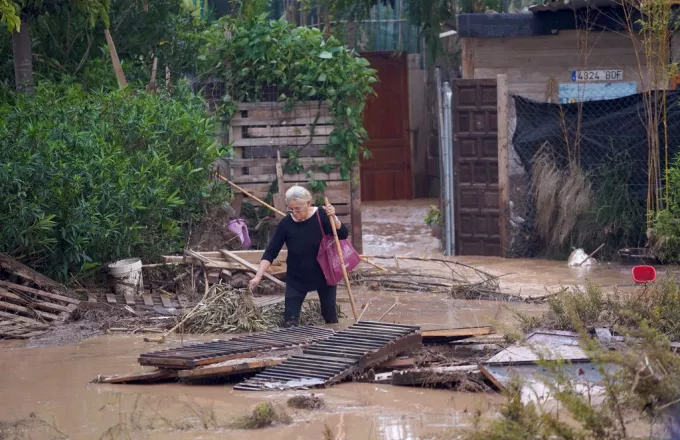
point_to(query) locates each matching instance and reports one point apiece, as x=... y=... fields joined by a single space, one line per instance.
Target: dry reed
x=561 y=197
x=229 y=310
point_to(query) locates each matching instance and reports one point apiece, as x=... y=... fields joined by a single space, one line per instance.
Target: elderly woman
x=302 y=232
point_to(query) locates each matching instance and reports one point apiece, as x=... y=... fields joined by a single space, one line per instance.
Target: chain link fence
x=578 y=169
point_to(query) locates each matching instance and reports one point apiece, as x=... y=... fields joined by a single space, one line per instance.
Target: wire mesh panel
x=579 y=169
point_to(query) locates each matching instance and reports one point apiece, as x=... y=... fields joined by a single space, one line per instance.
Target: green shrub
x=267 y=59
x=589 y=307
x=665 y=236
x=87 y=178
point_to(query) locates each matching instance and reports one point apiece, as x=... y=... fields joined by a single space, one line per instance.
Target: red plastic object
x=644 y=274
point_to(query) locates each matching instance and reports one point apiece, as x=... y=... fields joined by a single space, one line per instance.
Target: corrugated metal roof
x=561 y=5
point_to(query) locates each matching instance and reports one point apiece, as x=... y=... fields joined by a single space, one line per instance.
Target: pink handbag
x=330 y=261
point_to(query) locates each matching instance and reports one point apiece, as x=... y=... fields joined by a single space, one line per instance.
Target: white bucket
x=128 y=276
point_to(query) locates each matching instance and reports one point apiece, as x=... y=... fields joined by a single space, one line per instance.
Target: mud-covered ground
x=49 y=376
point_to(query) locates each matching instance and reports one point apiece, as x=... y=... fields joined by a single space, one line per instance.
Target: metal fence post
x=448 y=147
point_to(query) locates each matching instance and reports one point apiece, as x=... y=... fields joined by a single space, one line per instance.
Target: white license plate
x=596 y=75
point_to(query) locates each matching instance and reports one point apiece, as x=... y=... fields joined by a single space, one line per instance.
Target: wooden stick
x=342 y=264
x=591 y=254
x=262 y=202
x=363 y=311
x=388 y=311
x=117 y=68
x=366 y=260
x=250 y=266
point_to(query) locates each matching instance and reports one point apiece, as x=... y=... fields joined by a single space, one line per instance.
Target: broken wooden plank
x=159 y=375
x=435 y=375
x=148 y=301
x=37 y=292
x=129 y=299
x=31 y=312
x=22 y=335
x=231 y=367
x=454 y=334
x=19 y=269
x=48 y=306
x=166 y=301
x=33 y=322
x=250 y=266
x=397 y=363
x=111 y=298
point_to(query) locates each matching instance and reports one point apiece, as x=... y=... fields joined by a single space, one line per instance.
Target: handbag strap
x=318 y=217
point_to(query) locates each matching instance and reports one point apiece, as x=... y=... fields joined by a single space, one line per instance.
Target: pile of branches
x=457 y=280
x=225 y=309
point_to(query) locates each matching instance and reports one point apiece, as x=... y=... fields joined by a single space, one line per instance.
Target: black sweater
x=302 y=240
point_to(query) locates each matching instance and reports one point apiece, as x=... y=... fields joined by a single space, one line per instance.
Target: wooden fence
x=260 y=130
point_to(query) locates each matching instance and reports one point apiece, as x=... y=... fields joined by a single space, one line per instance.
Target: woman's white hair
x=297 y=192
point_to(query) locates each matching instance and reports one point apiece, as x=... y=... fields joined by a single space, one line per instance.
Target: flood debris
x=229 y=310
x=146 y=377
x=30 y=303
x=455 y=279
x=466 y=378
x=445 y=336
x=263 y=415
x=306 y=402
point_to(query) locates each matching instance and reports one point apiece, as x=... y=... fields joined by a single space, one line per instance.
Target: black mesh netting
x=607 y=139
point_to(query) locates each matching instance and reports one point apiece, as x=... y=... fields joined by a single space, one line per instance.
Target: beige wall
x=531 y=62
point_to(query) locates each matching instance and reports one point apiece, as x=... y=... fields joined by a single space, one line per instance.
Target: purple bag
x=330 y=261
x=240 y=228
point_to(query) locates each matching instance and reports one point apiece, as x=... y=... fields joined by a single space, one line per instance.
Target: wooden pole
x=117 y=68
x=265 y=204
x=591 y=254
x=503 y=159
x=250 y=266
x=280 y=197
x=342 y=265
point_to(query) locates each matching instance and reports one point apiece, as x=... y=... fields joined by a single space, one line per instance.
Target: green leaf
x=322 y=77
x=325 y=55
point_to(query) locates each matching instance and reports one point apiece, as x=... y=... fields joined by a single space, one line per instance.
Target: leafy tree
x=20 y=15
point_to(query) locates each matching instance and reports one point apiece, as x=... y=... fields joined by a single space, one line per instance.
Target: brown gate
x=387 y=174
x=475 y=146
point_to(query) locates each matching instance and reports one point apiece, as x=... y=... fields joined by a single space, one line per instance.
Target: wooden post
x=503 y=157
x=117 y=68
x=468 y=60
x=280 y=197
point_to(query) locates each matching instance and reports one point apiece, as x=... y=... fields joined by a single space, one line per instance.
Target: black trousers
x=293 y=305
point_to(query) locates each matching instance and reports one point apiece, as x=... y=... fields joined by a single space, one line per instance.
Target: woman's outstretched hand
x=254 y=282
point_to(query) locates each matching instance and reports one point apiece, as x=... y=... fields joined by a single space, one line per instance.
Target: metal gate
x=475 y=146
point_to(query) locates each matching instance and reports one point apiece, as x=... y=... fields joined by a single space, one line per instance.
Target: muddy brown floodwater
x=53 y=382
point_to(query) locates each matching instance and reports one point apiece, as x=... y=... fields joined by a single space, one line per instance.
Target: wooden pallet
x=146 y=299
x=260 y=130
x=26 y=312
x=192 y=356
x=338 y=357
